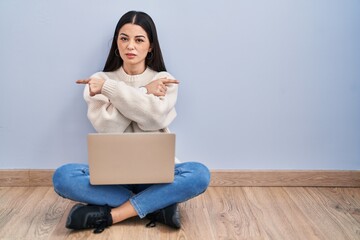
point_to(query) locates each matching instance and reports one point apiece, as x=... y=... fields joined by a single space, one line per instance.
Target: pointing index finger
x=168 y=81
x=83 y=81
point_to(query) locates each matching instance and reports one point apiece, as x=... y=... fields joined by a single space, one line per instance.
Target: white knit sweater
x=121 y=107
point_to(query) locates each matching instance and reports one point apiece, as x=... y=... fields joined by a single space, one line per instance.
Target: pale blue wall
x=264 y=84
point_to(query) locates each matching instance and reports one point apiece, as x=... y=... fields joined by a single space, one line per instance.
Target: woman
x=134 y=93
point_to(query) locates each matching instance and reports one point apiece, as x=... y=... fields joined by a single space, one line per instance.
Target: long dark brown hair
x=156 y=61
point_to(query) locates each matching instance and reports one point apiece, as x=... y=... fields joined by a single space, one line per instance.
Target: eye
x=139 y=40
x=123 y=39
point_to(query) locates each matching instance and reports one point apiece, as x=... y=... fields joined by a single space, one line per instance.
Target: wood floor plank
x=228 y=217
x=340 y=208
x=349 y=199
x=18 y=225
x=11 y=203
x=317 y=213
x=279 y=215
x=220 y=213
x=28 y=222
x=195 y=219
x=248 y=223
x=60 y=232
x=53 y=209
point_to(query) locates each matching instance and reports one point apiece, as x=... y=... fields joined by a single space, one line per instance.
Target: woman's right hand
x=159 y=87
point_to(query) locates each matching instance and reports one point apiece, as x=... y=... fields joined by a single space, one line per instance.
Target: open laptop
x=131 y=158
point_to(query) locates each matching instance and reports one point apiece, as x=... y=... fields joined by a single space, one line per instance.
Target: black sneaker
x=169 y=216
x=89 y=216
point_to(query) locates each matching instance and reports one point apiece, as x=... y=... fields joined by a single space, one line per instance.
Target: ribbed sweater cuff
x=109 y=88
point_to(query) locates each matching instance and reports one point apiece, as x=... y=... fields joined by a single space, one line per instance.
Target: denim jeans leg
x=72 y=181
x=191 y=179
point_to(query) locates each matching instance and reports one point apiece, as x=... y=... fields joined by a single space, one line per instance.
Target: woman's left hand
x=159 y=87
x=95 y=85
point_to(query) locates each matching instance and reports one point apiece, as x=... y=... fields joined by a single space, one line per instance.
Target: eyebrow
x=135 y=36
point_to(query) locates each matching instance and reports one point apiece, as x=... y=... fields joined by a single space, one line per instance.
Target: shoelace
x=102 y=224
x=98 y=222
x=153 y=219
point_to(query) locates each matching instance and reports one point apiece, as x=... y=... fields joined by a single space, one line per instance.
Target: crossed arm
x=157 y=87
x=113 y=105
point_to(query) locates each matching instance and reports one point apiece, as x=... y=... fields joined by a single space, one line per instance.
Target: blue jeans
x=191 y=179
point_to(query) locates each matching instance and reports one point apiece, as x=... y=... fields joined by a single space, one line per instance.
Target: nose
x=131 y=45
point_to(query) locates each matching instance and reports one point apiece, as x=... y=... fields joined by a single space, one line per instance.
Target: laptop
x=131 y=158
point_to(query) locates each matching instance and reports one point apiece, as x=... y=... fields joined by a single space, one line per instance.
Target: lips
x=130 y=55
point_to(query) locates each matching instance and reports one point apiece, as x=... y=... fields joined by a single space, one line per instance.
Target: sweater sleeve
x=102 y=114
x=148 y=111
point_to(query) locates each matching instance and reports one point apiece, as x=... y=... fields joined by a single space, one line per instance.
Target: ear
x=150 y=48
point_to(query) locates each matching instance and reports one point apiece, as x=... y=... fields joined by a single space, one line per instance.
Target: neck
x=134 y=70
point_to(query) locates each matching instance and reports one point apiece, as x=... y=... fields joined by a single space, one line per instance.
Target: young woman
x=134 y=93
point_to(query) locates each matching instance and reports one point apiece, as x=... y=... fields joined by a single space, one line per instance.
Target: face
x=133 y=44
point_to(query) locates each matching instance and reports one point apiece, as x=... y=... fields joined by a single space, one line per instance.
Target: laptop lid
x=131 y=158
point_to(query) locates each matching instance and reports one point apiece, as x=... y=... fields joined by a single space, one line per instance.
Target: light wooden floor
x=220 y=213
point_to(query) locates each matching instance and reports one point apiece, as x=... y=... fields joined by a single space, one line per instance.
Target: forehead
x=132 y=30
